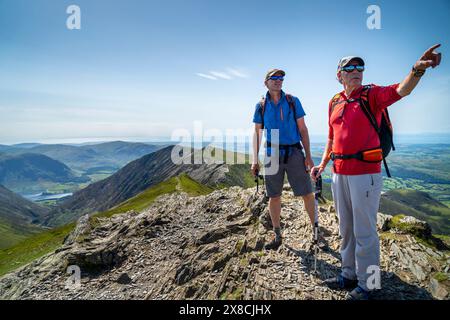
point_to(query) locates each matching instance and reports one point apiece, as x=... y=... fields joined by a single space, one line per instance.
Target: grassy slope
x=239 y=174
x=11 y=234
x=38 y=245
x=32 y=248
x=145 y=199
x=419 y=205
x=411 y=203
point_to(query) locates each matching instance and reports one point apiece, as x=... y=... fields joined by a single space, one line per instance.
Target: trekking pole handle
x=316 y=232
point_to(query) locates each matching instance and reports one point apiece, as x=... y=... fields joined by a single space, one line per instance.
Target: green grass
x=239 y=175
x=444 y=238
x=32 y=248
x=192 y=187
x=418 y=231
x=144 y=199
x=235 y=295
x=419 y=205
x=440 y=276
x=52 y=187
x=326 y=191
x=11 y=234
x=405 y=227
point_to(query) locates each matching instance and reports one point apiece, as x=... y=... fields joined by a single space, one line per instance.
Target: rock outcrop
x=211 y=247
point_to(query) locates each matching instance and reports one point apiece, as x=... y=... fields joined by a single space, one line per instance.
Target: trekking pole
x=257 y=177
x=316 y=245
x=317 y=195
x=257 y=180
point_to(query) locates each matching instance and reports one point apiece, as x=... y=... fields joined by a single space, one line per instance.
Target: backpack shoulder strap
x=365 y=106
x=333 y=103
x=365 y=93
x=365 y=100
x=291 y=102
x=262 y=104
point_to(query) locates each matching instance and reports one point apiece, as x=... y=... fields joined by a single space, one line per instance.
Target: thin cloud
x=206 y=76
x=221 y=75
x=237 y=73
x=228 y=74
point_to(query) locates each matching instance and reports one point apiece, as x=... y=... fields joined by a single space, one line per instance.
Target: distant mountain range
x=110 y=154
x=143 y=173
x=28 y=168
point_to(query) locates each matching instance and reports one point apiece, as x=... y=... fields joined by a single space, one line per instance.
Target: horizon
x=419 y=138
x=140 y=69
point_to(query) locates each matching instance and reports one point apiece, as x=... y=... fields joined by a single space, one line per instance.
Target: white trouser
x=357 y=198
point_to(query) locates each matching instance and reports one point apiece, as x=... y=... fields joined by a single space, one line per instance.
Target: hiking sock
x=277 y=233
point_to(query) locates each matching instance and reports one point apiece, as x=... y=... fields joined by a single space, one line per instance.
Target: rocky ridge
x=211 y=247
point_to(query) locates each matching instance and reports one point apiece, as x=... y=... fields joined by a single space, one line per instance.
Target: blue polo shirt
x=280 y=116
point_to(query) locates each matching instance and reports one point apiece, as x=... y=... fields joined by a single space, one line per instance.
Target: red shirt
x=352 y=132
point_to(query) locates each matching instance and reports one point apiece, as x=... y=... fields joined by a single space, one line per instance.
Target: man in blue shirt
x=283 y=117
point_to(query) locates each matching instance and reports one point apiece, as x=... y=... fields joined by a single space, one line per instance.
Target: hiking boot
x=274 y=244
x=358 y=294
x=339 y=283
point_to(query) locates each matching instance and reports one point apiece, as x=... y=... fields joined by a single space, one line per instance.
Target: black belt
x=286 y=148
x=334 y=156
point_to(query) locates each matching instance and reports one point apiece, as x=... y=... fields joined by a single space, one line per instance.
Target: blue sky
x=136 y=69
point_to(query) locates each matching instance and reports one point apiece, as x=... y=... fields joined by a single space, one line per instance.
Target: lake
x=45 y=196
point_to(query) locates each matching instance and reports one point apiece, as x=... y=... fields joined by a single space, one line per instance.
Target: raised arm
x=429 y=59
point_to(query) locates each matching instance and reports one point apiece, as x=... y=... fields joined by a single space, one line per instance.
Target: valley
x=417 y=189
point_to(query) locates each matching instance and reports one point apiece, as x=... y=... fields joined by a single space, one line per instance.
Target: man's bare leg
x=275 y=212
x=310 y=207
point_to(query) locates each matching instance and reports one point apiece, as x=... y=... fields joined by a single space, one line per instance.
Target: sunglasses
x=351 y=68
x=281 y=78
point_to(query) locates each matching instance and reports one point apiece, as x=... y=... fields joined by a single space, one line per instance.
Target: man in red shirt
x=356 y=184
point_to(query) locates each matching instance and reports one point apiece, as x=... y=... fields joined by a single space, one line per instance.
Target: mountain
x=26 y=145
x=38 y=245
x=109 y=155
x=16 y=208
x=211 y=247
x=69 y=155
x=420 y=205
x=143 y=200
x=18 y=217
x=4 y=148
x=122 y=151
x=141 y=174
x=29 y=168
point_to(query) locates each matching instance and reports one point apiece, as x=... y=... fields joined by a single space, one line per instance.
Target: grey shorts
x=298 y=178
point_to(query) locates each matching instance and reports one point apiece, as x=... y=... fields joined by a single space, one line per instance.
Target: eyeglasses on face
x=281 y=78
x=351 y=68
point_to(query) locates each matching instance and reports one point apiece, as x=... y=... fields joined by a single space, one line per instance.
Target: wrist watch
x=418 y=73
